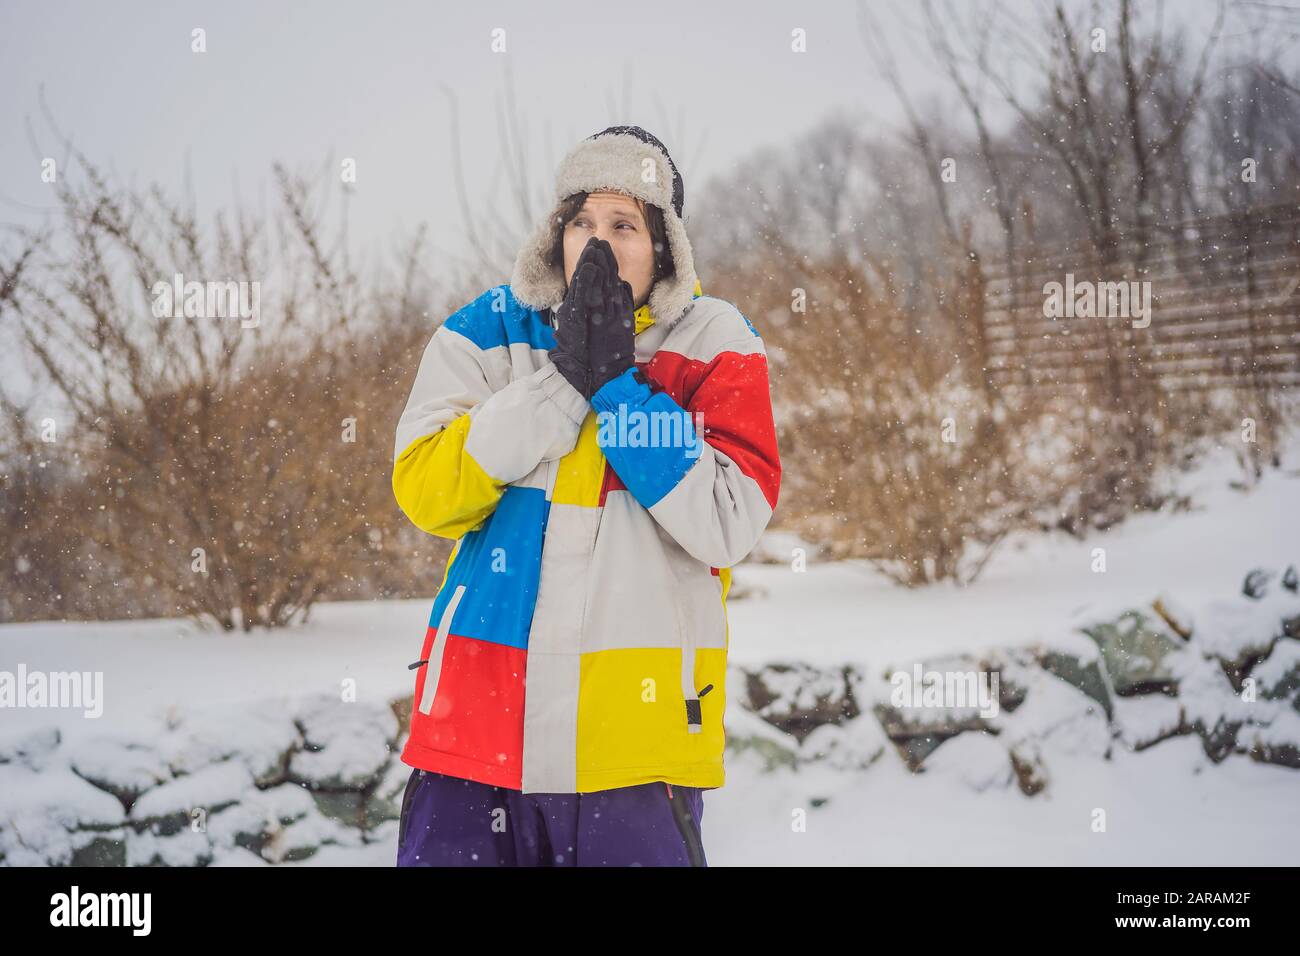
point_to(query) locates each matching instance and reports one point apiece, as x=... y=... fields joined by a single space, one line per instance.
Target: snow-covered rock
x=1212 y=709
x=53 y=817
x=124 y=767
x=302 y=838
x=1142 y=722
x=1238 y=631
x=185 y=847
x=1137 y=651
x=1057 y=717
x=1076 y=659
x=1278 y=742
x=347 y=744
x=202 y=786
x=172 y=806
x=260 y=813
x=977 y=759
x=1278 y=676
x=751 y=737
x=29 y=746
x=853 y=745
x=259 y=736
x=923 y=704
x=798 y=697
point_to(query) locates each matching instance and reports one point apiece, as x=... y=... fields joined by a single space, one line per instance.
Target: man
x=597 y=438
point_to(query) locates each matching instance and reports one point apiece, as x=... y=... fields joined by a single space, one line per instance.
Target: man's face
x=618 y=220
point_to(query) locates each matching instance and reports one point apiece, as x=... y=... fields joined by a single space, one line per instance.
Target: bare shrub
x=215 y=468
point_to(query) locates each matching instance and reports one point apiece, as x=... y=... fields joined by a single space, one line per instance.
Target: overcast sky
x=308 y=82
x=364 y=80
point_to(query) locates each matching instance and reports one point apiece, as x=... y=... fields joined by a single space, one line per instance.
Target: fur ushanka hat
x=624 y=159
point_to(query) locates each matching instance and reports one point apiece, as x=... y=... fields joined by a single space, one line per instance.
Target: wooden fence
x=1224 y=309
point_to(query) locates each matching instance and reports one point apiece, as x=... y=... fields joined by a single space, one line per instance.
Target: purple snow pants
x=446 y=821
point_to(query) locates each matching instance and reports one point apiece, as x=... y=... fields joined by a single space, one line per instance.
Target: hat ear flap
x=536 y=281
x=673 y=295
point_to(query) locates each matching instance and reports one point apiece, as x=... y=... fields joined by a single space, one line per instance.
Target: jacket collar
x=645 y=317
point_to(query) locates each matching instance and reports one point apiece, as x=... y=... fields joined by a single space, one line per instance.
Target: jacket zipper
x=404 y=817
x=686 y=825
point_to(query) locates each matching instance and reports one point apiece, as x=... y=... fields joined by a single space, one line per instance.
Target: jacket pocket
x=690 y=693
x=433 y=672
x=694 y=713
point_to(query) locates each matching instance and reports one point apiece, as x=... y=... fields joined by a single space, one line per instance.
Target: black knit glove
x=611 y=336
x=586 y=292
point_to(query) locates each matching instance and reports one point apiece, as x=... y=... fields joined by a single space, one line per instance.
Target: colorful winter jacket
x=578 y=641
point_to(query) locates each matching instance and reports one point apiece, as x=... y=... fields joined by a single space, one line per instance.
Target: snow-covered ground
x=1168 y=805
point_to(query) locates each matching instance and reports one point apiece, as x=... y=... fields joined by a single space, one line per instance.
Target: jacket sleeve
x=461 y=440
x=709 y=473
